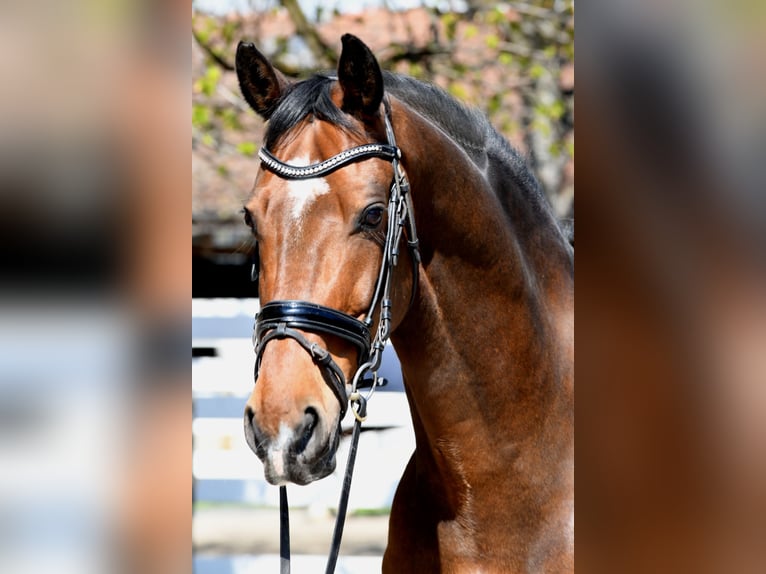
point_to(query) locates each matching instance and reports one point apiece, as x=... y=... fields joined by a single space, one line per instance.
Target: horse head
x=320 y=233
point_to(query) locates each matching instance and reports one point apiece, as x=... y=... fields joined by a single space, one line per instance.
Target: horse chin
x=303 y=476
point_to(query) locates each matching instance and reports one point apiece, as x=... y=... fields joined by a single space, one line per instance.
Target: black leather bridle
x=290 y=319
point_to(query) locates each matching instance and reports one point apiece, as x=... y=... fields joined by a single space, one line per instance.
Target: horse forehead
x=301 y=194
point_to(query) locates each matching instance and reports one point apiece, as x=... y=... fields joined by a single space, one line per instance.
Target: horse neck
x=479 y=347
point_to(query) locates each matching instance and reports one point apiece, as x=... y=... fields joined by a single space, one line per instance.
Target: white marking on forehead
x=301 y=193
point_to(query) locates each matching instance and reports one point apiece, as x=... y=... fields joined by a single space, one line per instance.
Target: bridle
x=288 y=319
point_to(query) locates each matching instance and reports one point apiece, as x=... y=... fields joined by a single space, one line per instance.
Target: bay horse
x=480 y=312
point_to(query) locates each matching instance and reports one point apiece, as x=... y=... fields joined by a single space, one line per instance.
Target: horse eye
x=372 y=217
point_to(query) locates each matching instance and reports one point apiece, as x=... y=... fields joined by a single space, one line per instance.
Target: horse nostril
x=250 y=423
x=253 y=435
x=305 y=430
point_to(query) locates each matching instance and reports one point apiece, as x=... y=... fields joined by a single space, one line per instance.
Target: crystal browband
x=286 y=170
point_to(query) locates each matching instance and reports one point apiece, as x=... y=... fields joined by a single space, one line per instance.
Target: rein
x=287 y=319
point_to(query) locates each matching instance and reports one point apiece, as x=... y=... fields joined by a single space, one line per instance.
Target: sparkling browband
x=286 y=170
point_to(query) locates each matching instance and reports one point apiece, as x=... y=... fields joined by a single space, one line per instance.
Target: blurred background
x=514 y=61
x=95 y=284
x=95 y=277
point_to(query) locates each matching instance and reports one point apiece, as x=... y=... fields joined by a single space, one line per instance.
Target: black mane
x=468 y=127
x=309 y=98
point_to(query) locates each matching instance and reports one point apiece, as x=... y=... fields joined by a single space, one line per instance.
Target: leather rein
x=290 y=318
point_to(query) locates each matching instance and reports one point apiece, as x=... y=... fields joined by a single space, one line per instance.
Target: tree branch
x=217 y=58
x=412 y=53
x=322 y=51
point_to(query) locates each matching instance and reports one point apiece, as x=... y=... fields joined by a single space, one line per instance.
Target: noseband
x=289 y=319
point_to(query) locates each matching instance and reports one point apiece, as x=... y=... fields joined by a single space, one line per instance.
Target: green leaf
x=492 y=41
x=204 y=27
x=247 y=148
x=200 y=116
x=557 y=109
x=505 y=59
x=209 y=82
x=458 y=90
x=542 y=126
x=229 y=30
x=449 y=20
x=536 y=71
x=495 y=16
x=230 y=119
x=494 y=104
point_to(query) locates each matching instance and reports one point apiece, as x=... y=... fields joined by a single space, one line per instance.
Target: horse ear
x=360 y=77
x=261 y=84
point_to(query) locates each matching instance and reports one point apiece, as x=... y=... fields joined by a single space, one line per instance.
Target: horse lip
x=323 y=464
x=299 y=471
x=300 y=474
x=302 y=478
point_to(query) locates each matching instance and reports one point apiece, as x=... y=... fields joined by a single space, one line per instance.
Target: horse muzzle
x=300 y=453
x=292 y=421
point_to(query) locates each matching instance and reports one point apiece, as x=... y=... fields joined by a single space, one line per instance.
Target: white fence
x=227 y=471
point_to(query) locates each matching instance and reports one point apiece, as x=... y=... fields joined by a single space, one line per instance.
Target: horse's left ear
x=360 y=77
x=262 y=85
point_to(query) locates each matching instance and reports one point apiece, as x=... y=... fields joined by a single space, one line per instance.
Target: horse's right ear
x=360 y=77
x=261 y=84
